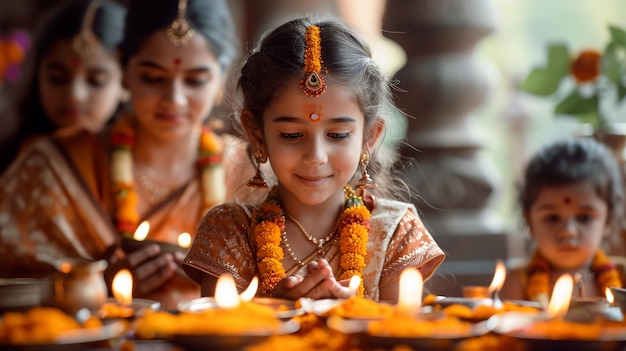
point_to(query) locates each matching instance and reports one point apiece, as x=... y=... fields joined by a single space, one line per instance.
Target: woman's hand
x=151 y=268
x=320 y=283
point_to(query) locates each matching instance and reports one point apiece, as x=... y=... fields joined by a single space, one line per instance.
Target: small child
x=314 y=104
x=571 y=201
x=74 y=80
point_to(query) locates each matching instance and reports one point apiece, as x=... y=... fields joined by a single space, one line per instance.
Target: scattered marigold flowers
x=586 y=67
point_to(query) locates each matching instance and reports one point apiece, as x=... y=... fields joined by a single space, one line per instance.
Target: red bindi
x=76 y=63
x=567 y=200
x=177 y=62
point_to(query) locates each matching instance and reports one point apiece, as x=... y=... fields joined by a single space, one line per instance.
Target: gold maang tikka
x=179 y=32
x=85 y=41
x=312 y=83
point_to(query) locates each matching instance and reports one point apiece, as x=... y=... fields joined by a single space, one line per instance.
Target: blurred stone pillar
x=443 y=82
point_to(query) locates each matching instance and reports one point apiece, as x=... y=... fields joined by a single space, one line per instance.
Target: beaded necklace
x=538 y=287
x=123 y=140
x=270 y=225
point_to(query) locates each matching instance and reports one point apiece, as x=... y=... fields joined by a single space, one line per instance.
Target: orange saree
x=56 y=201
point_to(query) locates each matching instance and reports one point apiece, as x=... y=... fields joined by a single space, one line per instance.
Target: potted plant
x=586 y=84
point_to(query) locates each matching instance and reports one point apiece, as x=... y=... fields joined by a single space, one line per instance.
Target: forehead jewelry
x=179 y=32
x=85 y=41
x=312 y=83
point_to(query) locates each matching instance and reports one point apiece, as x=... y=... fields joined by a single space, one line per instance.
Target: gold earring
x=365 y=182
x=257 y=182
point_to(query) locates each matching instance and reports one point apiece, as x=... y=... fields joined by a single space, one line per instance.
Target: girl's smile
x=313 y=159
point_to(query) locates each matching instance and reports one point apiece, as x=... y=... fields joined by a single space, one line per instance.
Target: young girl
x=75 y=79
x=571 y=201
x=314 y=104
x=77 y=195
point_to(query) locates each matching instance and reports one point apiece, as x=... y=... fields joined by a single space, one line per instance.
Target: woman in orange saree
x=77 y=195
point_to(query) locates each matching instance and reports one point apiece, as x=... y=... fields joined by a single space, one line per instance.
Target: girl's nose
x=176 y=93
x=316 y=153
x=569 y=230
x=79 y=90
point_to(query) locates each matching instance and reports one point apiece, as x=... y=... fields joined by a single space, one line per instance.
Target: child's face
x=172 y=89
x=313 y=144
x=79 y=91
x=568 y=223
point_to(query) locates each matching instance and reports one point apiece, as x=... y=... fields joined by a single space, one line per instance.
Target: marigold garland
x=123 y=140
x=538 y=287
x=353 y=238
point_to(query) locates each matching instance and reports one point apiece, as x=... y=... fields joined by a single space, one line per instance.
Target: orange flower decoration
x=604 y=270
x=123 y=141
x=586 y=67
x=270 y=223
x=313 y=84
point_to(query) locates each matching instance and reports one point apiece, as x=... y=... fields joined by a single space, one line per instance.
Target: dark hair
x=61 y=23
x=571 y=161
x=347 y=62
x=210 y=18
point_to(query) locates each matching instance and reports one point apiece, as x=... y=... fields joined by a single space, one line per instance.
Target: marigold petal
x=271 y=251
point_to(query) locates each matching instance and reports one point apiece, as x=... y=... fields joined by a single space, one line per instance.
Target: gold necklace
x=291 y=253
x=156 y=193
x=318 y=242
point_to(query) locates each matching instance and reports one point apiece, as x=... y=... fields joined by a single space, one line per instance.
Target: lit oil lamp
x=121 y=305
x=408 y=323
x=184 y=240
x=140 y=235
x=123 y=287
x=561 y=297
x=230 y=321
x=562 y=326
x=610 y=298
x=226 y=295
x=353 y=285
x=411 y=288
x=496 y=284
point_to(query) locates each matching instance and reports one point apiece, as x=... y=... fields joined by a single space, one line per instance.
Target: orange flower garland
x=586 y=67
x=538 y=287
x=267 y=234
x=353 y=237
x=270 y=224
x=123 y=140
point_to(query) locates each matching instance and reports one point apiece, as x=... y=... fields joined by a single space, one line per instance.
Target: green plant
x=584 y=84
